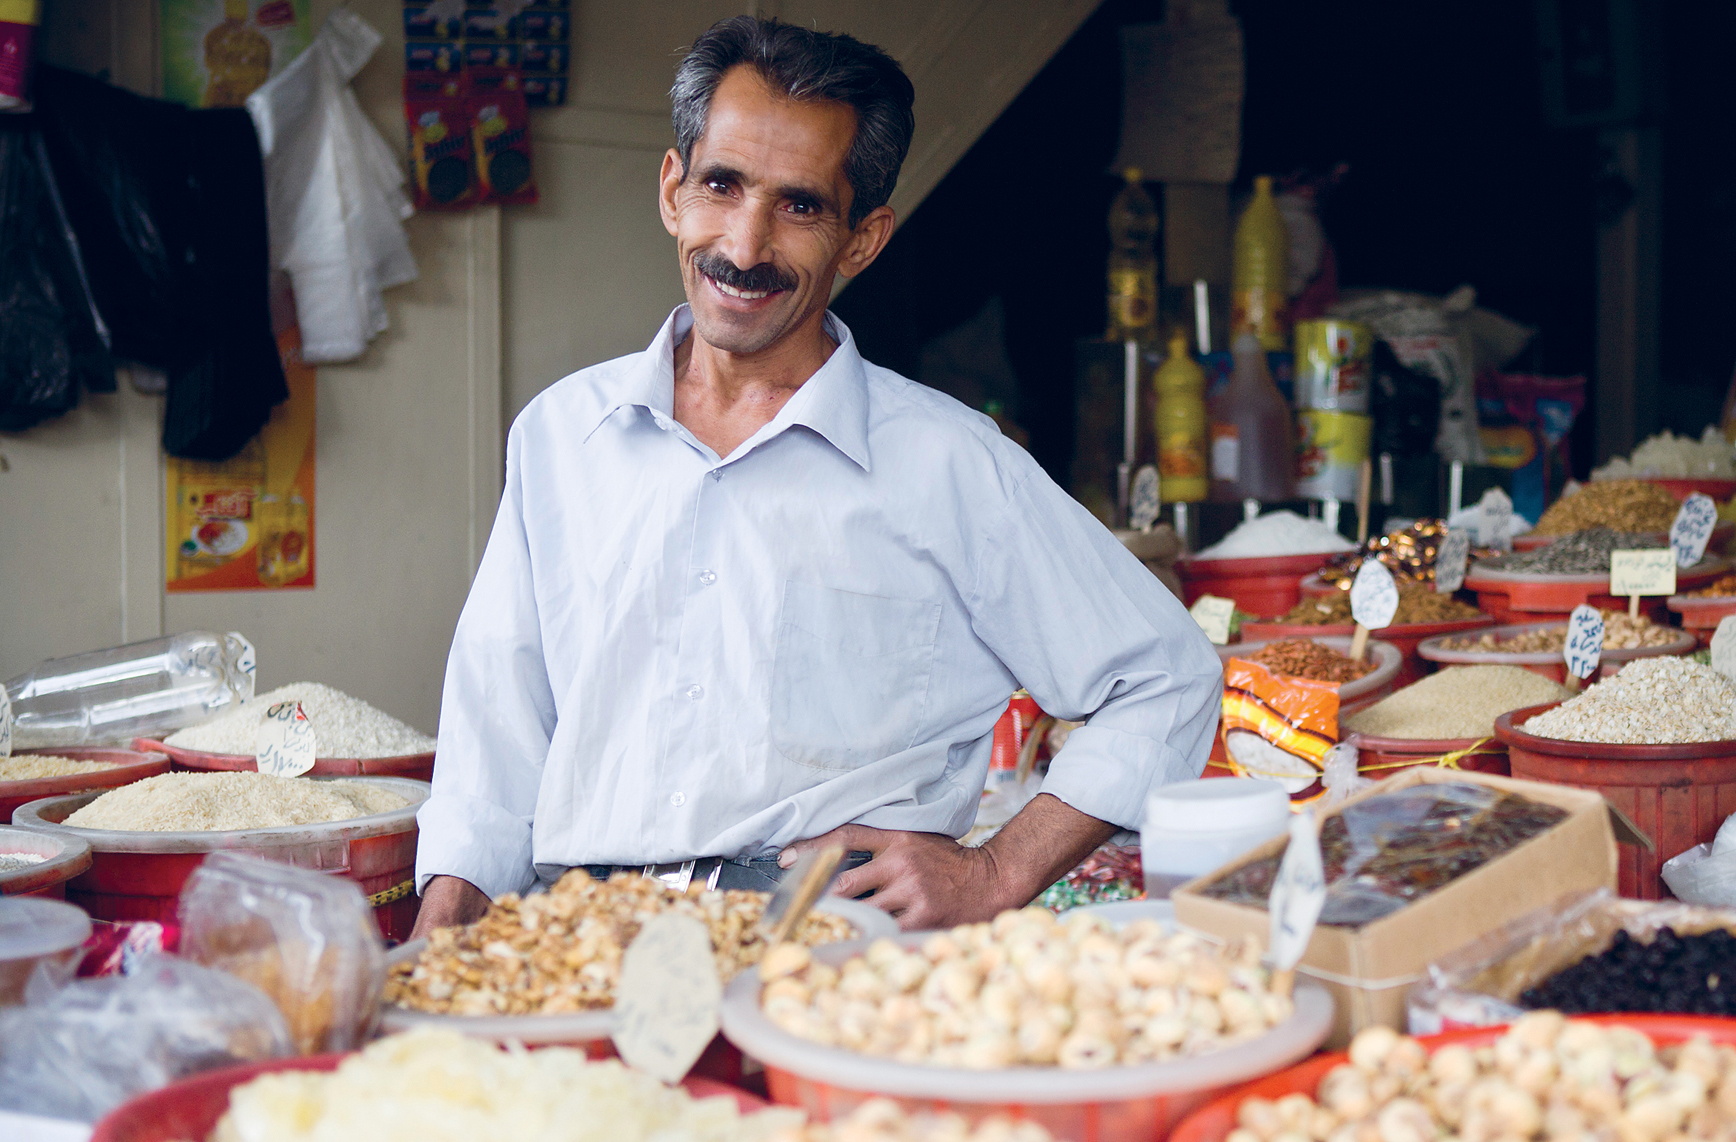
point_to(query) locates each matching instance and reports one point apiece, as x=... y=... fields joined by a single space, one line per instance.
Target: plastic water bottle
x=143 y=689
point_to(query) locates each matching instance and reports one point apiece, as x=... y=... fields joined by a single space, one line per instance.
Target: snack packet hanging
x=437 y=112
x=500 y=135
x=1278 y=727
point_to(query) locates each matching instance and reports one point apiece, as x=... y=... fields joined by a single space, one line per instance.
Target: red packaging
x=1011 y=733
x=437 y=113
x=18 y=21
x=500 y=135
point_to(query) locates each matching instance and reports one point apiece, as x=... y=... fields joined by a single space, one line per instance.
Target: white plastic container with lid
x=1193 y=827
x=33 y=930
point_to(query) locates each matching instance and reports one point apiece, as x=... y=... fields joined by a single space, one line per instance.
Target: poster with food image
x=217 y=52
x=247 y=523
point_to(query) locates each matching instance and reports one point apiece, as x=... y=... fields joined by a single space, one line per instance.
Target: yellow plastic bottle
x=1183 y=432
x=237 y=58
x=1132 y=262
x=1260 y=272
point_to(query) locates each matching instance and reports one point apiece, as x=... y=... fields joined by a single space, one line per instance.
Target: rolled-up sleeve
x=1094 y=637
x=497 y=714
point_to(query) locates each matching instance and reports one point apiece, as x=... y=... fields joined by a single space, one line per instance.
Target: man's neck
x=724 y=398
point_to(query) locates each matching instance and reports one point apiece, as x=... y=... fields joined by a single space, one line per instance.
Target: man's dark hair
x=807 y=66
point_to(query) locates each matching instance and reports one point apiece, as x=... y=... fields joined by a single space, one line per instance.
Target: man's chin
x=739 y=333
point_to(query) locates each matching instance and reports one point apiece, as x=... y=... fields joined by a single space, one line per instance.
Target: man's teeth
x=745 y=294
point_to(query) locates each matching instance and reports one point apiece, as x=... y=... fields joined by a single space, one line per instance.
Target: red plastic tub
x=1684 y=486
x=1548 y=663
x=67 y=856
x=1265 y=586
x=138 y=875
x=1314 y=587
x=1214 y=1121
x=134 y=765
x=1534 y=598
x=1701 y=615
x=1678 y=795
x=189 y=1109
x=1406 y=636
x=415 y=766
x=1380 y=757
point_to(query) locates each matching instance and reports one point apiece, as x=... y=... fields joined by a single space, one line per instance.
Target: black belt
x=759 y=873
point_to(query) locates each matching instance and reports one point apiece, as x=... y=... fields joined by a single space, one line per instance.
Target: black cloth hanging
x=167 y=215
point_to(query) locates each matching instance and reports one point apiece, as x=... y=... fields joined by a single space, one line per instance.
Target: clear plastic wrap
x=1480 y=984
x=306 y=939
x=79 y=1051
x=1386 y=850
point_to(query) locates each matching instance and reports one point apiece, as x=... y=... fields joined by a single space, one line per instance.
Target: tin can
x=1334 y=361
x=1011 y=733
x=1330 y=449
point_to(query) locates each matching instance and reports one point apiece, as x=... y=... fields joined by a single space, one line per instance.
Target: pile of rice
x=209 y=802
x=342 y=726
x=30 y=766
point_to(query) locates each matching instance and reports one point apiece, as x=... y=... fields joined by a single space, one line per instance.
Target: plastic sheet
x=1706 y=873
x=79 y=1051
x=308 y=940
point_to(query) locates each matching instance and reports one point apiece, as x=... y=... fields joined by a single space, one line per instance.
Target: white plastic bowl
x=579 y=1026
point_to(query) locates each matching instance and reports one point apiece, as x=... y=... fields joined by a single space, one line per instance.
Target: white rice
x=342 y=726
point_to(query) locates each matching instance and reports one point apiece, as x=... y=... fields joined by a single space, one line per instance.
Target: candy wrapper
x=1113 y=872
x=500 y=135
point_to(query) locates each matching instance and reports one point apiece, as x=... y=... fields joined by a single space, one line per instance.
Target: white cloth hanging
x=335 y=193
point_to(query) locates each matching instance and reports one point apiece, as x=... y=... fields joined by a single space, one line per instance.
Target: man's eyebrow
x=717 y=172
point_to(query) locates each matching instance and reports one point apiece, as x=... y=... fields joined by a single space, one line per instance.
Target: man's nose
x=747 y=237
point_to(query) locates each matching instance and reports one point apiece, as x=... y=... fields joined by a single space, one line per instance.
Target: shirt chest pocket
x=851 y=674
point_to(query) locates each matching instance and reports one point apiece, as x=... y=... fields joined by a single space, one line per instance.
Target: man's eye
x=717 y=186
x=804 y=208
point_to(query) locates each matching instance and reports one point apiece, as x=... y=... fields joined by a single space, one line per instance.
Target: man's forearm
x=1039 y=845
x=448 y=902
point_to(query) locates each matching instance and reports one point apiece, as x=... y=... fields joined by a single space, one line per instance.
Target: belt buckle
x=678 y=875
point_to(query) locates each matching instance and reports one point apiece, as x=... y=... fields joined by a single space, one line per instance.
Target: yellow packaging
x=1330 y=449
x=1334 y=362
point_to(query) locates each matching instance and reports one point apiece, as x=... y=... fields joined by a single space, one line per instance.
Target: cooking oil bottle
x=1260 y=271
x=1183 y=435
x=1132 y=262
x=237 y=58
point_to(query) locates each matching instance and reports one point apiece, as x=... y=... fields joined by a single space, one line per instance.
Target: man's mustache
x=764 y=276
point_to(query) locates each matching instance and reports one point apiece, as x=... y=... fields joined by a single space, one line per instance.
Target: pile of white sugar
x=342 y=726
x=12 y=862
x=208 y=802
x=1277 y=533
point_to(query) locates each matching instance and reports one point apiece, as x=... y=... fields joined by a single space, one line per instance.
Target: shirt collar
x=833 y=402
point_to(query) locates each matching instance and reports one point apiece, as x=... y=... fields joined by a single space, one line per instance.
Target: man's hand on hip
x=928 y=880
x=448 y=902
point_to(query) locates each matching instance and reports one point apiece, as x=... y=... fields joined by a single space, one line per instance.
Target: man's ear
x=867 y=240
x=668 y=182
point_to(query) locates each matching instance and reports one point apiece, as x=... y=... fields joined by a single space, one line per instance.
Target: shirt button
x=678 y=799
x=717 y=475
x=707 y=578
x=696 y=692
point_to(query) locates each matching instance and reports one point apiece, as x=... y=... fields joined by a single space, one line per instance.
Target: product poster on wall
x=217 y=52
x=247 y=523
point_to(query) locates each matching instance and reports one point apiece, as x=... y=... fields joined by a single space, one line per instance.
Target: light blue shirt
x=666 y=654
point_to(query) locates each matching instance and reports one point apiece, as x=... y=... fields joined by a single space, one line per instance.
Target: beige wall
x=508 y=302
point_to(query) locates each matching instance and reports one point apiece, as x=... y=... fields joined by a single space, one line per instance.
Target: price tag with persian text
x=1298 y=894
x=1495 y=523
x=1450 y=559
x=286 y=746
x=1584 y=646
x=1724 y=647
x=1693 y=528
x=1213 y=615
x=1373 y=595
x=1645 y=572
x=668 y=997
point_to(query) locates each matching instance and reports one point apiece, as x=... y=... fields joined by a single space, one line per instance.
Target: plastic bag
x=1277 y=726
x=306 y=939
x=1703 y=875
x=79 y=1051
x=1479 y=984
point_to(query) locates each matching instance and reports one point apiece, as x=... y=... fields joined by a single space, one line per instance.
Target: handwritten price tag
x=1373 y=595
x=1693 y=528
x=1450 y=559
x=1724 y=647
x=5 y=723
x=1144 y=499
x=668 y=997
x=246 y=661
x=1213 y=615
x=1584 y=646
x=1495 y=523
x=1298 y=894
x=1650 y=572
x=285 y=746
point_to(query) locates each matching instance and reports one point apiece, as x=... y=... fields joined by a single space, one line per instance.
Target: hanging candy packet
x=437 y=112
x=500 y=135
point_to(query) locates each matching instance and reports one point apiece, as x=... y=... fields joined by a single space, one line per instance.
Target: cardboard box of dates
x=1418 y=865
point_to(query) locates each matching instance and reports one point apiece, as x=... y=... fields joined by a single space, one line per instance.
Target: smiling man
x=748 y=593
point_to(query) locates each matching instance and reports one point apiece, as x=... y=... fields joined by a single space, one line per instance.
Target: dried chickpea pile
x=1548 y=1077
x=560 y=951
x=1305 y=658
x=1620 y=632
x=1027 y=990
